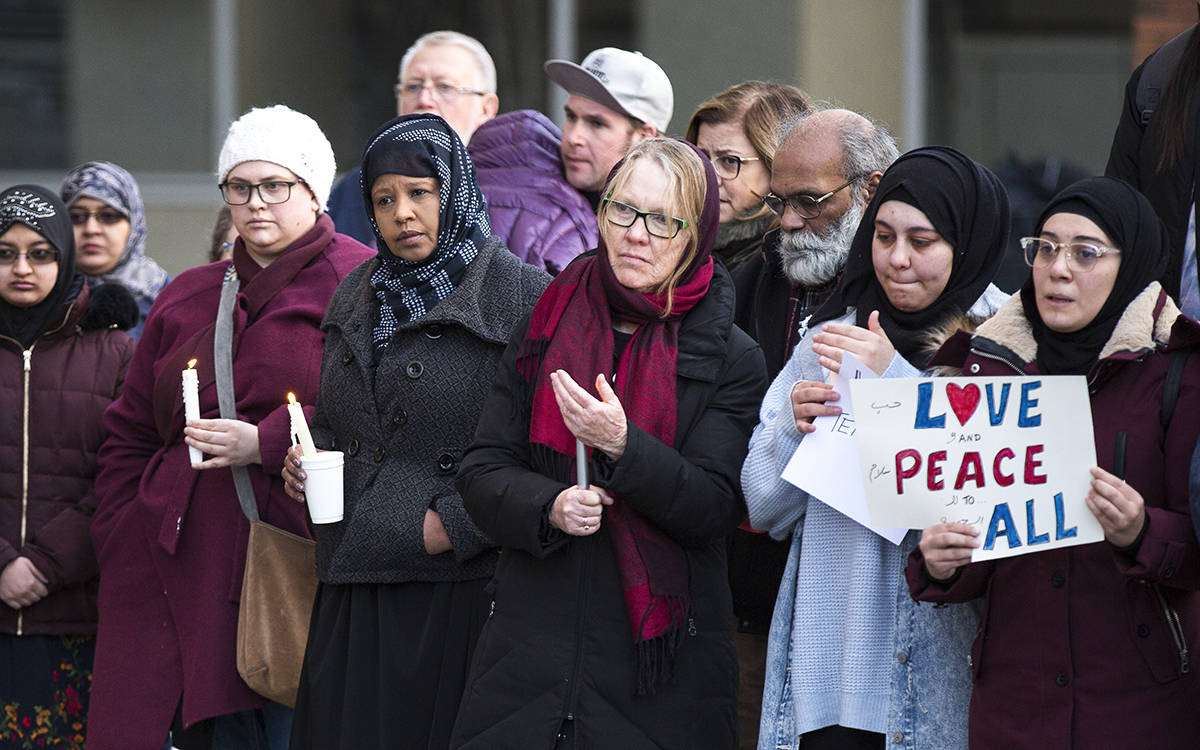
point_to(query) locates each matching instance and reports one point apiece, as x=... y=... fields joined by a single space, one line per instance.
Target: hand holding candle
x=300 y=426
x=191 y=405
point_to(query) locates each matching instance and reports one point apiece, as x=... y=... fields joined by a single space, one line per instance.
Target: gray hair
x=867 y=145
x=485 y=68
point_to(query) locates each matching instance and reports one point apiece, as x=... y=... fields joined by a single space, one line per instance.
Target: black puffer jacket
x=48 y=445
x=557 y=653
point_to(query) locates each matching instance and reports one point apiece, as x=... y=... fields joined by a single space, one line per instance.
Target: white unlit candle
x=191 y=405
x=581 y=477
x=300 y=426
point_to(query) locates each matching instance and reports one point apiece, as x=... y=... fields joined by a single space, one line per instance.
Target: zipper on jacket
x=1174 y=625
x=997 y=358
x=27 y=355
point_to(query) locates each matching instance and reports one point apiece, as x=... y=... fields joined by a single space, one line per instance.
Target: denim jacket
x=930 y=678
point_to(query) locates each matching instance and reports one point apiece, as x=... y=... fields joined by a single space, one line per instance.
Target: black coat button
x=1058 y=580
x=445 y=462
x=1169 y=572
x=347 y=357
x=1143 y=630
x=433 y=331
x=414 y=369
x=352 y=449
x=1061 y=679
x=379 y=453
x=400 y=417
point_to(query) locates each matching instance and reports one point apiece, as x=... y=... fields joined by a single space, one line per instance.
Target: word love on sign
x=1010 y=456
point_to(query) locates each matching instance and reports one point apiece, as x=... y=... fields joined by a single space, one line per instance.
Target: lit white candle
x=191 y=405
x=300 y=426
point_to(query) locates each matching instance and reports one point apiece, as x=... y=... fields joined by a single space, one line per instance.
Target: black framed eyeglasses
x=443 y=92
x=272 y=191
x=807 y=206
x=659 y=225
x=729 y=166
x=1081 y=256
x=38 y=256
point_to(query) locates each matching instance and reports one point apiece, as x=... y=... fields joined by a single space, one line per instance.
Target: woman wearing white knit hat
x=170 y=535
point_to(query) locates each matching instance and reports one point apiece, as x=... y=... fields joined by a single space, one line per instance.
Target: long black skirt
x=386 y=664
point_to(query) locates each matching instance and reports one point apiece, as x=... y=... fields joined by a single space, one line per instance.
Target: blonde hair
x=685 y=196
x=760 y=107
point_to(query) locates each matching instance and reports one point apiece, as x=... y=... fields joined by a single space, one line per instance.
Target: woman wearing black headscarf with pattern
x=412 y=340
x=62 y=361
x=1092 y=640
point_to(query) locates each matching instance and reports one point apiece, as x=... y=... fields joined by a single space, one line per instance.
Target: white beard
x=813 y=260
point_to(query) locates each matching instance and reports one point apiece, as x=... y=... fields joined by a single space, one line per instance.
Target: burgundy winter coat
x=542 y=219
x=1086 y=646
x=72 y=375
x=171 y=540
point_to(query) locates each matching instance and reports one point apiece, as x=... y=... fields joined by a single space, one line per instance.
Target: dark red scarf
x=571 y=329
x=258 y=287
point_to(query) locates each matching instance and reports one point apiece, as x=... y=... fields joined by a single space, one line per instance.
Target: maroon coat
x=73 y=376
x=171 y=540
x=1075 y=648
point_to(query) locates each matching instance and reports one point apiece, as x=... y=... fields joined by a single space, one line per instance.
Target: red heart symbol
x=963 y=401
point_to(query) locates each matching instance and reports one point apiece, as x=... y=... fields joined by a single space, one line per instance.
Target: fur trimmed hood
x=1147 y=323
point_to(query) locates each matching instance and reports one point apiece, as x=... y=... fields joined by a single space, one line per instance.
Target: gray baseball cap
x=628 y=82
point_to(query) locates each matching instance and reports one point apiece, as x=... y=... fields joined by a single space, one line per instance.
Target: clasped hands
x=22 y=584
x=599 y=423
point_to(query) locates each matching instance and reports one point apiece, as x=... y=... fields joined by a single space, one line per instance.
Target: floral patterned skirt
x=45 y=681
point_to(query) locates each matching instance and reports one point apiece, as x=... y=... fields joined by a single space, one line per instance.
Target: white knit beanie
x=282 y=136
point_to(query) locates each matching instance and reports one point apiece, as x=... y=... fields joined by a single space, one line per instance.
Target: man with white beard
x=826 y=169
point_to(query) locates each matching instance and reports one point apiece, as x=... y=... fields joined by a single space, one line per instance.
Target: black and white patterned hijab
x=423 y=145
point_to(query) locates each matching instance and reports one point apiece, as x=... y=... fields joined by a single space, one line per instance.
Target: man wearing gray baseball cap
x=615 y=99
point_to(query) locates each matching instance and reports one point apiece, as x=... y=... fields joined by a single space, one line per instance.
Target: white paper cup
x=323 y=486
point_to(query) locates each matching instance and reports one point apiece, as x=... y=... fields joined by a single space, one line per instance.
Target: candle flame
x=191 y=364
x=291 y=398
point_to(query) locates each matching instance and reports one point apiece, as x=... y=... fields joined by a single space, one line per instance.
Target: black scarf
x=967 y=206
x=43 y=212
x=423 y=145
x=1133 y=227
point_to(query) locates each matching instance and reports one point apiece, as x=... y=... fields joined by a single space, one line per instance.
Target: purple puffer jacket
x=542 y=219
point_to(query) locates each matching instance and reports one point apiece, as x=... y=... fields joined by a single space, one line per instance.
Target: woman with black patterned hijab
x=412 y=340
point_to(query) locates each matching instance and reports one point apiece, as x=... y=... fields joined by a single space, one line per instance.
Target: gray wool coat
x=404 y=429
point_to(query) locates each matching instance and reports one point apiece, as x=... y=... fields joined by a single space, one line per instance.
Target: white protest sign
x=825 y=464
x=1011 y=456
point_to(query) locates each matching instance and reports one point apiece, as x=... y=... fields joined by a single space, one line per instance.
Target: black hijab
x=1131 y=224
x=42 y=211
x=967 y=206
x=423 y=145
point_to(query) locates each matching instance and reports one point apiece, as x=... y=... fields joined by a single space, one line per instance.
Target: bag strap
x=223 y=363
x=1171 y=387
x=1156 y=74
